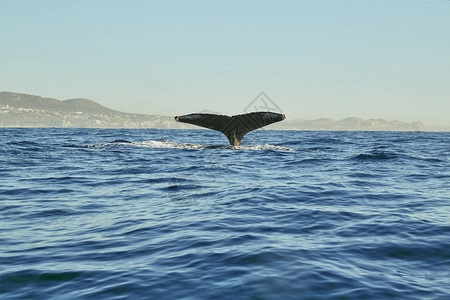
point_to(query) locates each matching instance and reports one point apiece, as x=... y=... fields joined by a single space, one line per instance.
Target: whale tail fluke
x=234 y=127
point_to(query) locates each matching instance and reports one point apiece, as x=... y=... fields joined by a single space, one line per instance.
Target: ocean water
x=178 y=214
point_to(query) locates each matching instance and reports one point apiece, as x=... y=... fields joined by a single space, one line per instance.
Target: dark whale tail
x=234 y=127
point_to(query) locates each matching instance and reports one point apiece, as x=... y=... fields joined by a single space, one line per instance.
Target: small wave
x=22 y=143
x=25 y=146
x=119 y=141
x=53 y=213
x=376 y=155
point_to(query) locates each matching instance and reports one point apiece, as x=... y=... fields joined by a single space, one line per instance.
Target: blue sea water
x=177 y=214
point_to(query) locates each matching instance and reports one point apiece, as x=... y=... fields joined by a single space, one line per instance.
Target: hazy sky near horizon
x=370 y=59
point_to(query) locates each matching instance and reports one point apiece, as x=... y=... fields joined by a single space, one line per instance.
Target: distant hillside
x=21 y=110
x=352 y=124
x=37 y=102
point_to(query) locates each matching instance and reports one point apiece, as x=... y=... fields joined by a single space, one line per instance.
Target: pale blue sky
x=370 y=59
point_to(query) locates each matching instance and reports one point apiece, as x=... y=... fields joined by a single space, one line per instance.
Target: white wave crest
x=172 y=145
x=169 y=144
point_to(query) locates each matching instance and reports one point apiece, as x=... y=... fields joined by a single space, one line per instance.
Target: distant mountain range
x=353 y=124
x=22 y=110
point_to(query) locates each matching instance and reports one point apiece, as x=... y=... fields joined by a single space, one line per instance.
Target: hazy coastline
x=22 y=110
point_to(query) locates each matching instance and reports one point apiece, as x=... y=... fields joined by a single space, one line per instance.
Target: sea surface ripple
x=178 y=214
